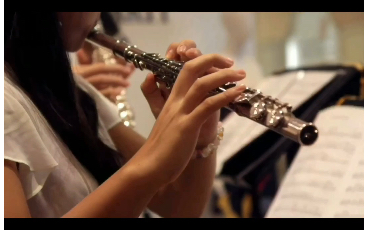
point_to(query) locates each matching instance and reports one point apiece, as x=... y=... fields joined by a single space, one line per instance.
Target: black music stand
x=251 y=164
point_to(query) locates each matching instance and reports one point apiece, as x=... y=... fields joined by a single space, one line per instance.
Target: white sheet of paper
x=326 y=180
x=294 y=88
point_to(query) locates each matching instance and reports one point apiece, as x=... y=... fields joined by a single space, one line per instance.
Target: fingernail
x=229 y=60
x=169 y=54
x=194 y=51
x=241 y=88
x=181 y=49
x=241 y=72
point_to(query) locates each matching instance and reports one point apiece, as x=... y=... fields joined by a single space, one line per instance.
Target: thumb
x=153 y=94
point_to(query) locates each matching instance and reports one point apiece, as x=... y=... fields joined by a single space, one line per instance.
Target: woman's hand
x=175 y=134
x=156 y=97
x=110 y=80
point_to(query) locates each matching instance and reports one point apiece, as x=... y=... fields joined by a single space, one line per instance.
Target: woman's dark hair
x=111 y=28
x=35 y=54
x=109 y=24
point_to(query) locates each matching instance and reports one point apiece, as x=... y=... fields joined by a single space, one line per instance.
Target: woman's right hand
x=172 y=141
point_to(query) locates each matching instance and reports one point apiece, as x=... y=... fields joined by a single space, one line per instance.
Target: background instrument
x=265 y=110
x=125 y=110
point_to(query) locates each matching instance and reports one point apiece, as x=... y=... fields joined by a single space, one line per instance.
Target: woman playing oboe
x=67 y=154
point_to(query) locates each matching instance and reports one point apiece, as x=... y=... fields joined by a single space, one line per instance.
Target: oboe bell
x=252 y=104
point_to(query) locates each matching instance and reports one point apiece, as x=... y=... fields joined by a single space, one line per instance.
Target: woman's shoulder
x=15 y=103
x=21 y=116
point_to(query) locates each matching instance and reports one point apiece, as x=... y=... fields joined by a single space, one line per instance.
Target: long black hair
x=111 y=27
x=109 y=24
x=34 y=51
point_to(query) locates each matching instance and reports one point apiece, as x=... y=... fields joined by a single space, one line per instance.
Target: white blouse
x=52 y=178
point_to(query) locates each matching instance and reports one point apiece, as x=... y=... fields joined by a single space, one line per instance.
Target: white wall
x=314 y=39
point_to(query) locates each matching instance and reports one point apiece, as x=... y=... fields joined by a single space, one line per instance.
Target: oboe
x=252 y=104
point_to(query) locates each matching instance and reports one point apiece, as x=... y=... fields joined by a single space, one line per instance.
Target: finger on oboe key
x=195 y=68
x=202 y=86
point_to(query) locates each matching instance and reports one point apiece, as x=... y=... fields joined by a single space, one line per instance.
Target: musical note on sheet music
x=331 y=170
x=322 y=185
x=304 y=196
x=347 y=214
x=299 y=209
x=324 y=156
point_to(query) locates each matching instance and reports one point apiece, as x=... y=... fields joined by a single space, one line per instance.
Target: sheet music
x=294 y=88
x=326 y=180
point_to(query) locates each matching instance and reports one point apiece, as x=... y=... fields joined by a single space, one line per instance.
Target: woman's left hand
x=156 y=96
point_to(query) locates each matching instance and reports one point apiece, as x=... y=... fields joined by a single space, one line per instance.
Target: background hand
x=110 y=80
